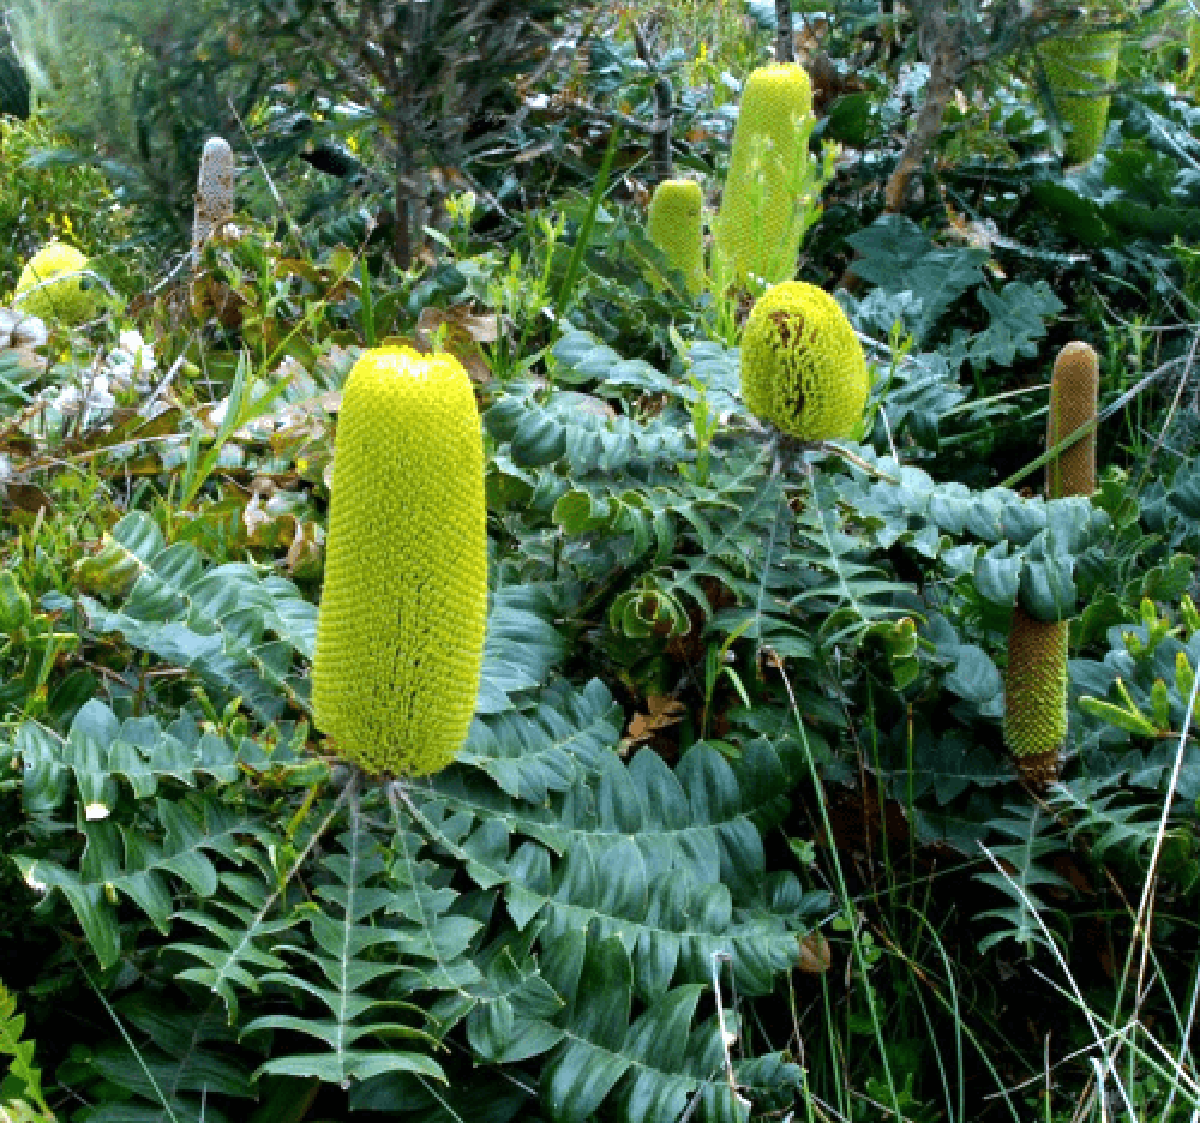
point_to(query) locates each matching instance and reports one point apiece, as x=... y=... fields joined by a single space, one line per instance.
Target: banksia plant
x=765 y=205
x=673 y=225
x=1035 y=685
x=214 y=194
x=1080 y=69
x=401 y=626
x=69 y=301
x=803 y=368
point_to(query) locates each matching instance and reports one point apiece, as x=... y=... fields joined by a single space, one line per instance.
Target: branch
x=785 y=42
x=664 y=108
x=942 y=43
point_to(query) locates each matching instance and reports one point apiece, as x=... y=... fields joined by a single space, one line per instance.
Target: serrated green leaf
x=895 y=254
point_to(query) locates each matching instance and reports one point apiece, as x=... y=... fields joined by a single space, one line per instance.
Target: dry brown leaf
x=462 y=332
x=663 y=712
x=814 y=957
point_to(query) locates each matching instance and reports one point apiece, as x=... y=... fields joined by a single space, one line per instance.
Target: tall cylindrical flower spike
x=214 y=193
x=761 y=221
x=673 y=225
x=1035 y=687
x=1080 y=69
x=803 y=368
x=1074 y=396
x=401 y=626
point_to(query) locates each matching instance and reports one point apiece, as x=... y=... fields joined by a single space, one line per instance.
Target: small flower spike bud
x=214 y=194
x=758 y=229
x=803 y=368
x=673 y=225
x=1080 y=69
x=401 y=626
x=71 y=301
x=1074 y=398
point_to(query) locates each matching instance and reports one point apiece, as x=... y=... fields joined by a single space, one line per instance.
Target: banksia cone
x=1074 y=393
x=1079 y=69
x=401 y=626
x=758 y=229
x=70 y=301
x=1035 y=687
x=803 y=368
x=214 y=194
x=1035 y=695
x=673 y=225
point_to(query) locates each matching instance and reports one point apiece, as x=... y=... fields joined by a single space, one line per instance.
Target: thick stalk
x=661 y=161
x=943 y=48
x=785 y=43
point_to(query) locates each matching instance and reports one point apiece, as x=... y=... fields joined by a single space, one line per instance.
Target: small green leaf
x=1129 y=720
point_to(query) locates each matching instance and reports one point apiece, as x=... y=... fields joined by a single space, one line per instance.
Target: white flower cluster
x=20 y=329
x=131 y=362
x=126 y=368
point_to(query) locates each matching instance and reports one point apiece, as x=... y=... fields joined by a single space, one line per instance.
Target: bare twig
x=664 y=108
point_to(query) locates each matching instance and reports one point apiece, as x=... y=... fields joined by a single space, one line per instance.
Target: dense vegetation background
x=734 y=834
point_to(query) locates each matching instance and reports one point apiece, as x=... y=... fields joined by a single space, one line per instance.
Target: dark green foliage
x=242 y=632
x=434 y=74
x=14 y=82
x=239 y=631
x=650 y=872
x=896 y=256
x=1027 y=918
x=138 y=88
x=186 y=1063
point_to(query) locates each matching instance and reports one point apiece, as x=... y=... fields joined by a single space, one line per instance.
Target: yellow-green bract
x=758 y=229
x=401 y=626
x=673 y=225
x=66 y=301
x=1080 y=69
x=803 y=368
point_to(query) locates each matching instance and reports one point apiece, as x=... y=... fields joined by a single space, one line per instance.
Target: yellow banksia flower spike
x=1080 y=69
x=803 y=368
x=759 y=226
x=673 y=225
x=71 y=301
x=401 y=626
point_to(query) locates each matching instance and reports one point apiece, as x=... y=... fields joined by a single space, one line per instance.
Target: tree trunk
x=662 y=166
x=943 y=48
x=785 y=43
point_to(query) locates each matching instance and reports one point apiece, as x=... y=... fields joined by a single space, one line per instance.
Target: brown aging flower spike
x=1035 y=685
